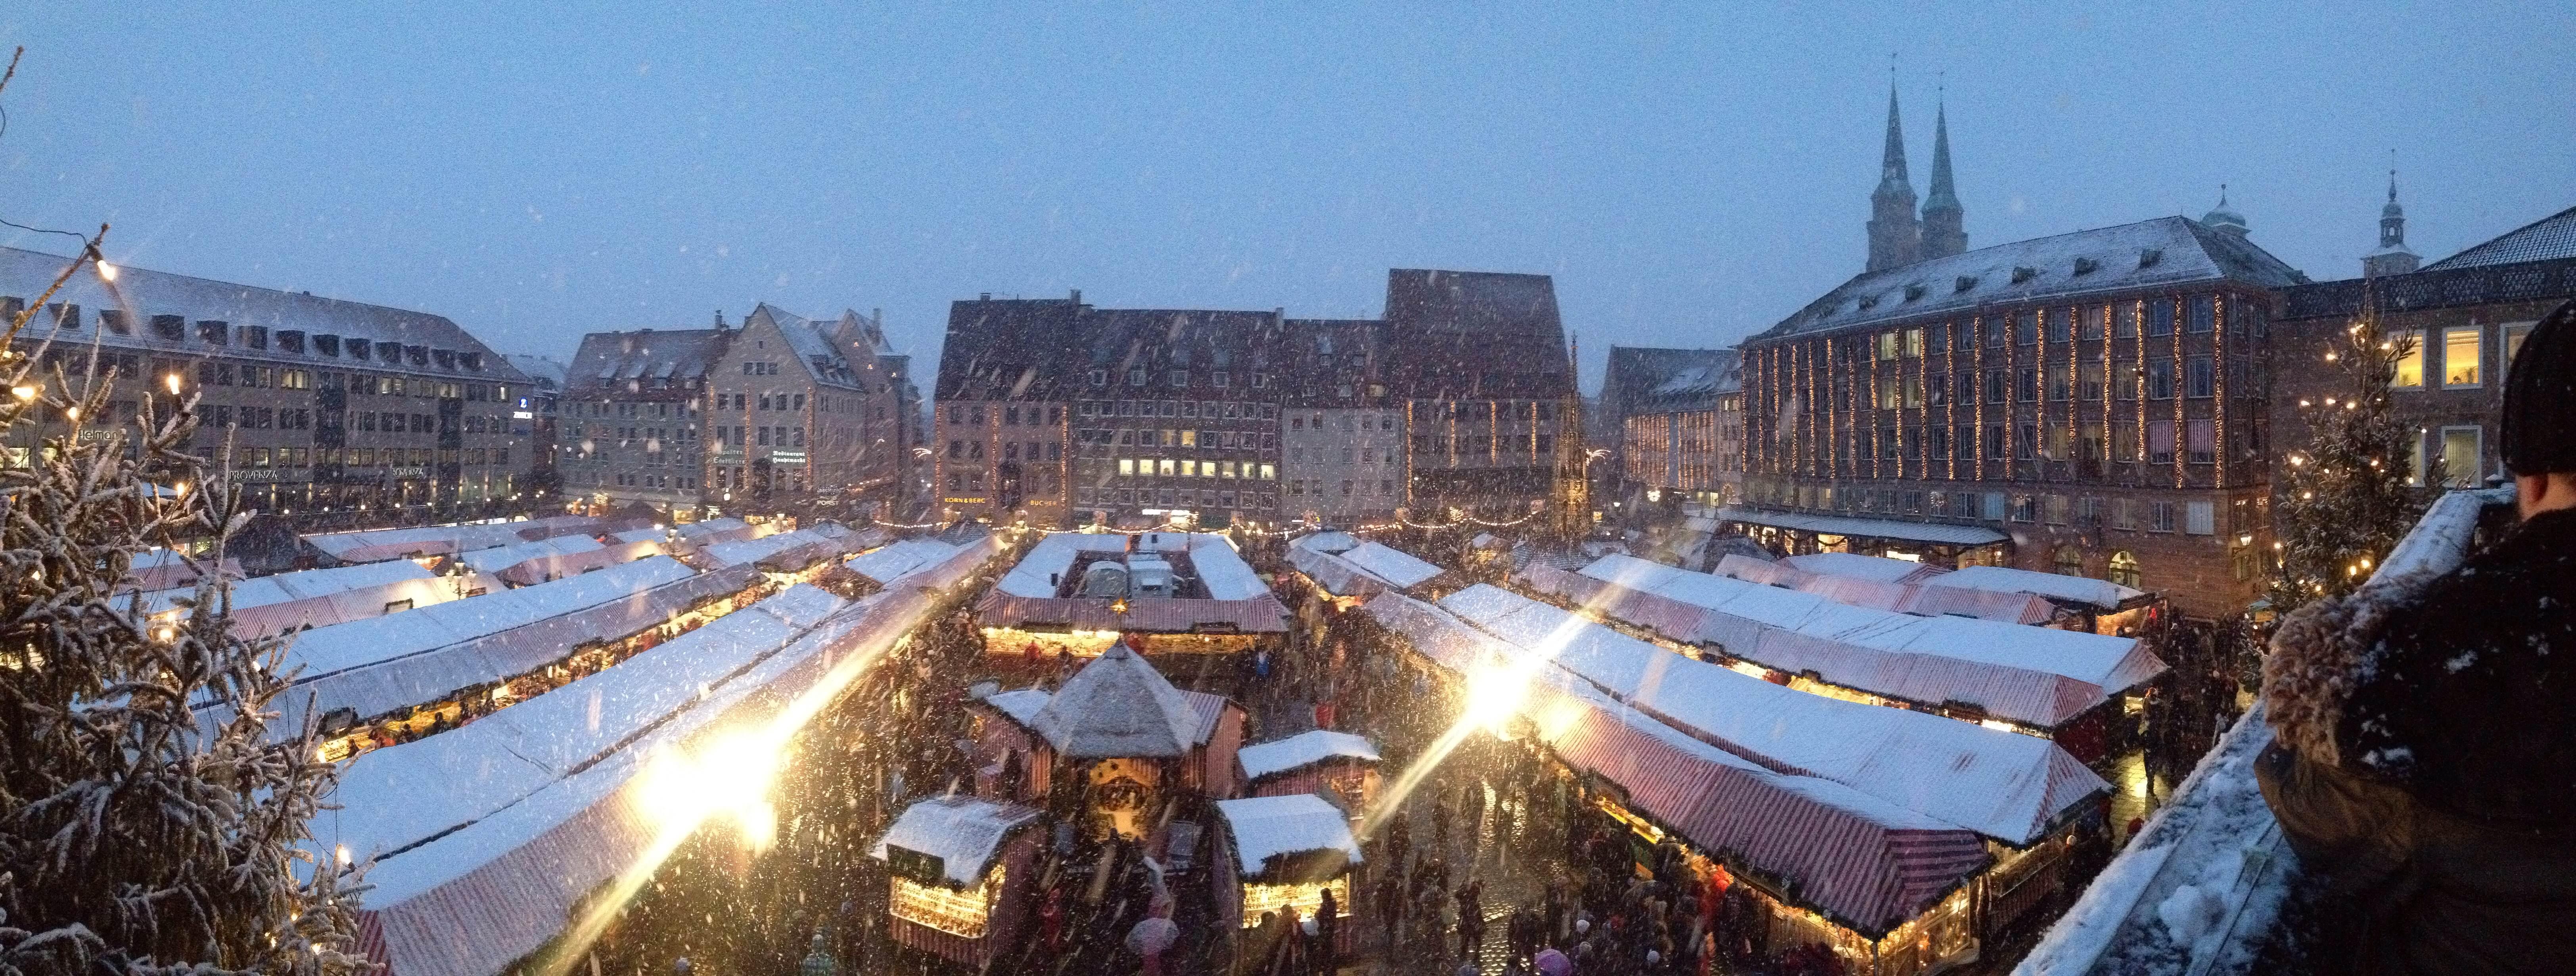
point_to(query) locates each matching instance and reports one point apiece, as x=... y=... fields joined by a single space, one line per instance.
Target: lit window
x=2070 y=561
x=2514 y=333
x=2410 y=360
x=2124 y=569
x=2460 y=356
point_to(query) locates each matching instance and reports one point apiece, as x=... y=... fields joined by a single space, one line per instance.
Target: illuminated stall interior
x=960 y=869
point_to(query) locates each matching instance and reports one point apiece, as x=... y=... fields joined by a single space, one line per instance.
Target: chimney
x=720 y=323
x=1077 y=296
x=985 y=297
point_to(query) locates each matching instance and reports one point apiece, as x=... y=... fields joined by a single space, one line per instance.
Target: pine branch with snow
x=135 y=835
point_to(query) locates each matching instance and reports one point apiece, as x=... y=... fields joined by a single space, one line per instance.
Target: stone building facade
x=631 y=419
x=1684 y=428
x=803 y=408
x=341 y=414
x=1343 y=433
x=2465 y=317
x=1480 y=363
x=2097 y=400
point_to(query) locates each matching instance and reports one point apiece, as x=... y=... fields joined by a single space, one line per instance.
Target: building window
x=2461 y=450
x=2415 y=470
x=1100 y=377
x=2160 y=441
x=2160 y=316
x=2460 y=356
x=2028 y=443
x=2058 y=510
x=2026 y=328
x=2202 y=376
x=2029 y=386
x=2410 y=359
x=2200 y=438
x=2513 y=332
x=2201 y=518
x=2204 y=313
x=1995 y=386
x=2161 y=517
x=2124 y=570
x=2070 y=561
x=2160 y=379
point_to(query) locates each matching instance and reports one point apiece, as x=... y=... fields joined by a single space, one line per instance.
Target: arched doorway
x=2124 y=569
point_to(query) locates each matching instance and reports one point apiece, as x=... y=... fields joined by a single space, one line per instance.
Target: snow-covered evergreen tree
x=2344 y=501
x=138 y=834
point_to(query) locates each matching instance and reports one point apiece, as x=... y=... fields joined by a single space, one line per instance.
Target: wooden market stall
x=1321 y=762
x=1280 y=854
x=961 y=873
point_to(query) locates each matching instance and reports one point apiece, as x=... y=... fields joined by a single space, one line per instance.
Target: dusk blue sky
x=1689 y=174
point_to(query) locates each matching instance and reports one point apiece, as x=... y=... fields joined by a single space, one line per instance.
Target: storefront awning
x=1933 y=532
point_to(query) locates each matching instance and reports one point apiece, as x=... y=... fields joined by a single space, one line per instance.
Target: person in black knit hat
x=2425 y=764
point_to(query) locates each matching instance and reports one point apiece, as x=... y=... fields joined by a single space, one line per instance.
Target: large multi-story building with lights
x=1681 y=421
x=339 y=414
x=1342 y=429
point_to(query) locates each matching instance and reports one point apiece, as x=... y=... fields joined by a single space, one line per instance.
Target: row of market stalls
x=378 y=545
x=263 y=606
x=1162 y=592
x=2071 y=602
x=1897 y=837
x=2063 y=685
x=488 y=839
x=1346 y=570
x=1120 y=759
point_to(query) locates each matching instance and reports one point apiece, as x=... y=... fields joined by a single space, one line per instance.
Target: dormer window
x=214 y=333
x=2022 y=274
x=290 y=340
x=171 y=327
x=2086 y=265
x=255 y=336
x=1913 y=292
x=359 y=348
x=446 y=359
x=114 y=321
x=1963 y=283
x=2147 y=257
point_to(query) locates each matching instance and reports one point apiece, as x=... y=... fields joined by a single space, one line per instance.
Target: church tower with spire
x=1895 y=235
x=2392 y=257
x=1945 y=229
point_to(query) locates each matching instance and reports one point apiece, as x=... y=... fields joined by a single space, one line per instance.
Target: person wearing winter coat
x=2425 y=765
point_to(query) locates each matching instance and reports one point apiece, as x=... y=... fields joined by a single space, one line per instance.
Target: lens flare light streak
x=1494 y=692
x=729 y=775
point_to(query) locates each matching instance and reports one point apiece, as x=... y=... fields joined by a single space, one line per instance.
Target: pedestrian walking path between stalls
x=1864 y=862
x=2036 y=676
x=2013 y=788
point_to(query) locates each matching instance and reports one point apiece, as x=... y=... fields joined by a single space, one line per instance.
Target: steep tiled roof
x=644 y=359
x=142 y=294
x=1010 y=347
x=813 y=345
x=1642 y=380
x=1475 y=333
x=2548 y=238
x=2147 y=254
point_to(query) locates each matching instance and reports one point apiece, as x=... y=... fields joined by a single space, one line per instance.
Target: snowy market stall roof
x=1236 y=601
x=2098 y=594
x=1901 y=597
x=1932 y=532
x=1302 y=750
x=1857 y=566
x=385 y=664
x=2200 y=888
x=1867 y=863
x=963 y=832
x=1270 y=831
x=514 y=876
x=375 y=545
x=2036 y=675
x=160 y=569
x=884 y=563
x=1118 y=706
x=799 y=546
x=498 y=558
x=309 y=584
x=2014 y=788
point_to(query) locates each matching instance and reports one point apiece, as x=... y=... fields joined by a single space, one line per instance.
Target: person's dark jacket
x=2425 y=765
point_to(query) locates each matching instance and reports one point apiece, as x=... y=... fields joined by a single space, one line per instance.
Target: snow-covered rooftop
x=301 y=585
x=2008 y=786
x=1329 y=541
x=1868 y=528
x=885 y=563
x=1302 y=750
x=711 y=527
x=963 y=832
x=1391 y=565
x=2073 y=589
x=1118 y=706
x=1856 y=566
x=1219 y=567
x=1265 y=827
x=1222 y=569
x=325 y=650
x=743 y=551
x=1022 y=705
x=498 y=558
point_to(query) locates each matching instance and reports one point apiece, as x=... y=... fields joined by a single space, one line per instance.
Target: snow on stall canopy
x=498 y=558
x=328 y=650
x=746 y=551
x=2103 y=594
x=1391 y=565
x=1048 y=561
x=1338 y=576
x=1021 y=705
x=1302 y=750
x=305 y=584
x=1266 y=827
x=884 y=563
x=374 y=545
x=963 y=832
x=2001 y=784
x=709 y=527
x=1118 y=706
x=1879 y=568
x=1222 y=570
x=1334 y=541
x=1744 y=610
x=640 y=535
x=1867 y=862
x=397 y=796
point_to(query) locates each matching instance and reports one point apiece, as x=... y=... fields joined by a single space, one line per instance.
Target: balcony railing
x=2196 y=892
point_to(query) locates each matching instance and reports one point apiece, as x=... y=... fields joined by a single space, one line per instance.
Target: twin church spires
x=1897 y=237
